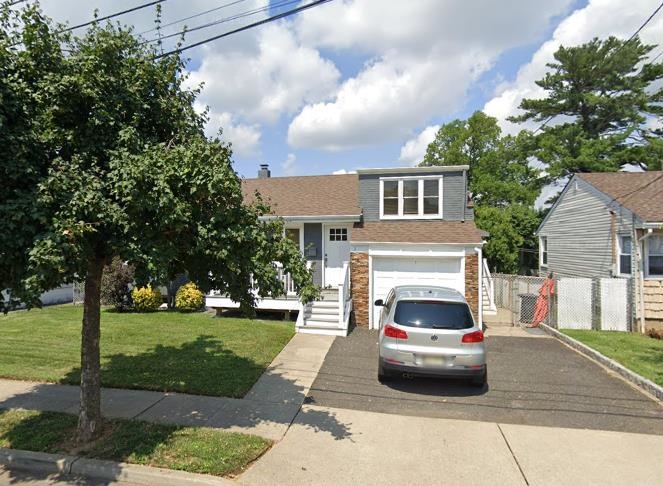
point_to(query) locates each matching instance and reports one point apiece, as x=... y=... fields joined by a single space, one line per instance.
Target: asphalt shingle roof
x=639 y=192
x=431 y=231
x=326 y=195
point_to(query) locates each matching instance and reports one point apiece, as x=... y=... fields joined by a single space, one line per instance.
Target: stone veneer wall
x=653 y=290
x=359 y=287
x=472 y=283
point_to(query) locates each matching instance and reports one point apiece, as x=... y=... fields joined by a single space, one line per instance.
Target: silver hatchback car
x=430 y=331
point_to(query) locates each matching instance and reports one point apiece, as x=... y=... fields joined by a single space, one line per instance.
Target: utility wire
x=117 y=14
x=248 y=13
x=644 y=24
x=287 y=13
x=193 y=16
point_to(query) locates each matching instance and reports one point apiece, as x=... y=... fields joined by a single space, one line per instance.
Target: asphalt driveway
x=531 y=381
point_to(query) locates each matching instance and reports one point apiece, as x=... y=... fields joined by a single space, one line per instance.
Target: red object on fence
x=542 y=302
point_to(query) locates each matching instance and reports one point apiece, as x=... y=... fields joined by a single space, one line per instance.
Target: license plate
x=433 y=360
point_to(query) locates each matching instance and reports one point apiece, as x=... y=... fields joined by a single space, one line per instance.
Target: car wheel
x=481 y=380
x=383 y=375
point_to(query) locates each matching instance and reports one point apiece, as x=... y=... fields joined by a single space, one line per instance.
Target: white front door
x=389 y=272
x=337 y=251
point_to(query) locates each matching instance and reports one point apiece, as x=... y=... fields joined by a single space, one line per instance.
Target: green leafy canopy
x=104 y=156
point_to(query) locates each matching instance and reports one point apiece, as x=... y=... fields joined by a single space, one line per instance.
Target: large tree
x=602 y=98
x=501 y=181
x=108 y=159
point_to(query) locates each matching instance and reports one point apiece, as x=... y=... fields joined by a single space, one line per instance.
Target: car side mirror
x=379 y=302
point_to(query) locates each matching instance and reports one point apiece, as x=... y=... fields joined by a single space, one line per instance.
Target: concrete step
x=325 y=304
x=321 y=322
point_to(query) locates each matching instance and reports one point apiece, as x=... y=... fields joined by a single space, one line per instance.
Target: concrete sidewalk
x=267 y=410
x=374 y=448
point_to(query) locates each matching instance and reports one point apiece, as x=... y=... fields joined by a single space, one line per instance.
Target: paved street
x=532 y=381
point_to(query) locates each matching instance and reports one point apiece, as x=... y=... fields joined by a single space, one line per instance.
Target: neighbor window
x=411 y=197
x=655 y=255
x=625 y=255
x=543 y=248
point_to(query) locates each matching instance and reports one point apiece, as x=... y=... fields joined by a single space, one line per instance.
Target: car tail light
x=394 y=332
x=473 y=337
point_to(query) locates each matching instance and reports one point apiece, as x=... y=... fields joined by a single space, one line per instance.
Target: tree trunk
x=89 y=418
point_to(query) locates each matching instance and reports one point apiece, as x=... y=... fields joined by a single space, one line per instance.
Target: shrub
x=115 y=283
x=653 y=333
x=189 y=298
x=146 y=299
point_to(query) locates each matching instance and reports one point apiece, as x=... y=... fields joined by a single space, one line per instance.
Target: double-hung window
x=411 y=197
x=543 y=251
x=655 y=255
x=624 y=255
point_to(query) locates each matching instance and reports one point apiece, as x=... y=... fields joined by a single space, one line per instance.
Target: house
x=364 y=233
x=610 y=225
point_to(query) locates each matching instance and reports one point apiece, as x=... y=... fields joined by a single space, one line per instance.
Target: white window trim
x=420 y=214
x=541 y=264
x=300 y=227
x=620 y=253
x=648 y=275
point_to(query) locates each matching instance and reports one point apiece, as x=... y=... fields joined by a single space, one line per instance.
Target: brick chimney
x=264 y=172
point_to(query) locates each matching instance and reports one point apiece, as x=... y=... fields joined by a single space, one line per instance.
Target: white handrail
x=487 y=277
x=344 y=301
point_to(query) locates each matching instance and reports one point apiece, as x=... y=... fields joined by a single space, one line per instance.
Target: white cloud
x=261 y=82
x=600 y=18
x=413 y=151
x=425 y=55
x=343 y=171
x=288 y=166
x=245 y=139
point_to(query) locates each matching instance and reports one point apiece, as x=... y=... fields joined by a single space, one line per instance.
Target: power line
x=117 y=14
x=240 y=15
x=246 y=27
x=644 y=24
x=192 y=16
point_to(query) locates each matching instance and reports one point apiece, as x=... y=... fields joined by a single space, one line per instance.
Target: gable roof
x=327 y=195
x=429 y=231
x=639 y=192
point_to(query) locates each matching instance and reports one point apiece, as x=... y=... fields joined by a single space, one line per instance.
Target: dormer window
x=411 y=197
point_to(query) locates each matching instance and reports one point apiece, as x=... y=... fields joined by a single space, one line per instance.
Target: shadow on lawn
x=201 y=367
x=198 y=366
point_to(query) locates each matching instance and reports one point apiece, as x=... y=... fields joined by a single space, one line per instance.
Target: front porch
x=329 y=315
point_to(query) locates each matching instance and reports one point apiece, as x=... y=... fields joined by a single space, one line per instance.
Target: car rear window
x=433 y=314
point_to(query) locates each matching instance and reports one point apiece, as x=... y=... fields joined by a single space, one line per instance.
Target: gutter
x=350 y=218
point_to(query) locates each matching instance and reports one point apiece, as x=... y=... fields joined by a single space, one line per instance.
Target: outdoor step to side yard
x=639 y=353
x=192 y=449
x=163 y=351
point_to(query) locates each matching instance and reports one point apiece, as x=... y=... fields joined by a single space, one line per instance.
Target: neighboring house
x=609 y=225
x=364 y=233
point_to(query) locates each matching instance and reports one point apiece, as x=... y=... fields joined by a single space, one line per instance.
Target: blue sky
x=366 y=83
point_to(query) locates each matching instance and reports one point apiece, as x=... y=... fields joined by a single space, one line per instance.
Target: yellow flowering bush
x=189 y=298
x=146 y=299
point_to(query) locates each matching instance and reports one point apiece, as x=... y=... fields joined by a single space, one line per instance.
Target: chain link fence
x=566 y=302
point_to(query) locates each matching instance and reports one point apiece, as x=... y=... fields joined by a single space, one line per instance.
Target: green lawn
x=166 y=351
x=638 y=353
x=192 y=449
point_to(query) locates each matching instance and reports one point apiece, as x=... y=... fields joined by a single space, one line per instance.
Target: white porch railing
x=488 y=286
x=286 y=279
x=344 y=298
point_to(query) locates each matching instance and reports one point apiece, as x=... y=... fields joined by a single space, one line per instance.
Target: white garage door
x=389 y=272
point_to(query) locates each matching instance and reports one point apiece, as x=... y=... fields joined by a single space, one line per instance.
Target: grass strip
x=639 y=353
x=192 y=449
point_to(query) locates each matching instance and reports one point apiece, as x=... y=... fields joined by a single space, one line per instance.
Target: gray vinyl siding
x=454 y=202
x=313 y=238
x=579 y=233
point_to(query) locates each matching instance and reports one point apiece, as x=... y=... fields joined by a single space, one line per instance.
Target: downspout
x=641 y=274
